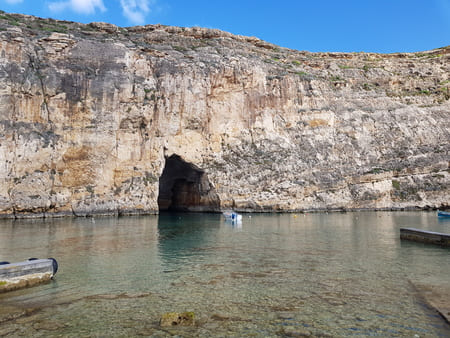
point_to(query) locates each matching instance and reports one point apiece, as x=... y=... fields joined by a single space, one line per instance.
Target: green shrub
x=396 y=184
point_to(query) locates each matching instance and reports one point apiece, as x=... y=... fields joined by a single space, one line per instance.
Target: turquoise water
x=340 y=274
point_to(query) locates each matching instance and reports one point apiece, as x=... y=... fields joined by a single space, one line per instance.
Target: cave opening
x=186 y=187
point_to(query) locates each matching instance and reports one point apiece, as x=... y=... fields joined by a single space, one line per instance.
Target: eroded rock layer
x=90 y=113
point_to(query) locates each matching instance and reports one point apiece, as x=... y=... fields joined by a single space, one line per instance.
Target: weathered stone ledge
x=132 y=213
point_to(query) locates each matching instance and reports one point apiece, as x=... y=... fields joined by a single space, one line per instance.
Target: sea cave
x=185 y=187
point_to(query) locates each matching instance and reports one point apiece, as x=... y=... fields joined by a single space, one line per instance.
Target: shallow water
x=340 y=274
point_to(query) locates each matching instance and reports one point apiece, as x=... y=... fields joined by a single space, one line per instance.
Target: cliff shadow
x=186 y=187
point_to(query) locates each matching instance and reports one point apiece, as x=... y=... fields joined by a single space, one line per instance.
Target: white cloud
x=136 y=10
x=13 y=2
x=58 y=6
x=79 y=6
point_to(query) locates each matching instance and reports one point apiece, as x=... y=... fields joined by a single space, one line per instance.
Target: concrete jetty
x=423 y=236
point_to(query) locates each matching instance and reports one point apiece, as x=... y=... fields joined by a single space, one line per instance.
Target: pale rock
x=89 y=117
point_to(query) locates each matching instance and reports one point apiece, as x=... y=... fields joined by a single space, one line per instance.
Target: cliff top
x=186 y=37
x=413 y=74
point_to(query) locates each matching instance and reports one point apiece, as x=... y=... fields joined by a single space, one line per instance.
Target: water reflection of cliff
x=77 y=236
x=96 y=251
x=183 y=236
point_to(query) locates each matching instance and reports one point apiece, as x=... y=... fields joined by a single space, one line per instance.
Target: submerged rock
x=290 y=331
x=177 y=319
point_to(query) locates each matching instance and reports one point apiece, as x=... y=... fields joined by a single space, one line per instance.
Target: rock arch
x=185 y=187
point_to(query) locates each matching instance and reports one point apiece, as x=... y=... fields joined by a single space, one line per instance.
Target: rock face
x=89 y=114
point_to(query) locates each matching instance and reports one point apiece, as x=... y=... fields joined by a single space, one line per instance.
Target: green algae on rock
x=177 y=319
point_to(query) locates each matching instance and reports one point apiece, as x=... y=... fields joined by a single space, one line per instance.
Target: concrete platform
x=423 y=236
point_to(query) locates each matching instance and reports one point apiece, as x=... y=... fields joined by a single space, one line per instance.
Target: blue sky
x=383 y=26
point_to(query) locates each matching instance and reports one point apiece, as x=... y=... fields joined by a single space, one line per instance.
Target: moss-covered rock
x=177 y=319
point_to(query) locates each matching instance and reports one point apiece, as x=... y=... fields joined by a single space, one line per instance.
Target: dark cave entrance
x=185 y=187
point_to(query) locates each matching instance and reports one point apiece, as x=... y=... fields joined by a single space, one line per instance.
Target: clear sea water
x=335 y=275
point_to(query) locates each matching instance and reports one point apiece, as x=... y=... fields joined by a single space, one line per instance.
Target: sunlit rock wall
x=88 y=114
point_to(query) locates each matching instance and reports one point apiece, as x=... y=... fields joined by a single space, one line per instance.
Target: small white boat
x=232 y=216
x=34 y=271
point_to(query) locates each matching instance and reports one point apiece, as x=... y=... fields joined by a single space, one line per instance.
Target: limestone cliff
x=91 y=114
